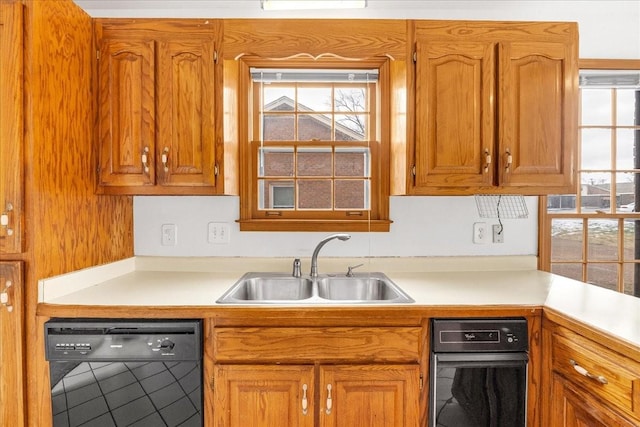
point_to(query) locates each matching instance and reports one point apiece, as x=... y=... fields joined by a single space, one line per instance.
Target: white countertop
x=475 y=281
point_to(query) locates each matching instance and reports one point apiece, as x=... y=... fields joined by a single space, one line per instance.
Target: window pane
x=566 y=241
x=631 y=239
x=599 y=111
x=352 y=162
x=561 y=203
x=314 y=194
x=314 y=127
x=314 y=99
x=625 y=143
x=350 y=100
x=351 y=127
x=352 y=194
x=278 y=98
x=596 y=149
x=314 y=161
x=626 y=191
x=595 y=192
x=604 y=275
x=275 y=161
x=625 y=107
x=603 y=239
x=279 y=127
x=631 y=271
x=275 y=194
x=573 y=271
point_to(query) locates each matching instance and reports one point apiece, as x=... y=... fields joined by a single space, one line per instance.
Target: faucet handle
x=350 y=269
x=297 y=271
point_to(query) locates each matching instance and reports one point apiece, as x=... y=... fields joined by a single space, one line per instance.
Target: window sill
x=314 y=225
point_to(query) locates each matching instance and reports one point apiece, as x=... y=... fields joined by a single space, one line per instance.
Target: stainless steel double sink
x=279 y=288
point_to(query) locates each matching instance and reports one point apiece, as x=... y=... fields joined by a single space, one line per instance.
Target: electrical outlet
x=218 y=233
x=169 y=234
x=498 y=233
x=480 y=233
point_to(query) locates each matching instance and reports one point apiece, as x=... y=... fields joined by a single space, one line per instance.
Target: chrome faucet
x=314 y=257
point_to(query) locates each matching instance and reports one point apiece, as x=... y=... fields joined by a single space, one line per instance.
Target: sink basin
x=268 y=287
x=364 y=287
x=279 y=288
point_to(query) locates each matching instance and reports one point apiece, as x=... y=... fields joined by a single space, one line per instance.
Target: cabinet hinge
x=421 y=381
x=215 y=170
x=215 y=56
x=98 y=54
x=413 y=171
x=415 y=56
x=211 y=383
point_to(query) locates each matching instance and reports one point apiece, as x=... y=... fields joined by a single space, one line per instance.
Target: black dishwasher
x=140 y=373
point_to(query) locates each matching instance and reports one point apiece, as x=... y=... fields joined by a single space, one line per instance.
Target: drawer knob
x=583 y=371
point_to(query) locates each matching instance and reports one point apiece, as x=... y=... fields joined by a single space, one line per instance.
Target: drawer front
x=602 y=372
x=376 y=344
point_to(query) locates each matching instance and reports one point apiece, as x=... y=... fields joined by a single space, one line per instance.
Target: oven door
x=478 y=390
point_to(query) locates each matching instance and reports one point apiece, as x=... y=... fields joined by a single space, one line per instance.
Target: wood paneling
x=11 y=118
x=280 y=38
x=67 y=226
x=12 y=352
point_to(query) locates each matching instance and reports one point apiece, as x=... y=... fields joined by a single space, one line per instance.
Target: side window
x=594 y=236
x=314 y=150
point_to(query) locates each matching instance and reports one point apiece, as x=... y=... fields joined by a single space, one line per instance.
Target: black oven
x=478 y=373
x=112 y=373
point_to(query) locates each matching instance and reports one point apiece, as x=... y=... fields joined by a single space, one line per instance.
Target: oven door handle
x=476 y=360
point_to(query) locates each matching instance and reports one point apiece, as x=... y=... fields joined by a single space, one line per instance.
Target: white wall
x=423 y=226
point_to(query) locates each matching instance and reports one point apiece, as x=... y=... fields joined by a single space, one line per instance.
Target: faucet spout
x=316 y=251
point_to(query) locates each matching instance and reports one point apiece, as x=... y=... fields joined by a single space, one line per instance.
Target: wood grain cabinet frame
x=158 y=125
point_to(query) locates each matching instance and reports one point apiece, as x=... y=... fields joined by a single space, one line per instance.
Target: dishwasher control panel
x=73 y=339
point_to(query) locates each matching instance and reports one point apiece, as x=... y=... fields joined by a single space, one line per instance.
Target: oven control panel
x=470 y=335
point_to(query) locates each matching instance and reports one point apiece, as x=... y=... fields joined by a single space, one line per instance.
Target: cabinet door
x=537 y=98
x=11 y=121
x=126 y=112
x=263 y=396
x=186 y=134
x=454 y=113
x=369 y=395
x=572 y=407
x=11 y=339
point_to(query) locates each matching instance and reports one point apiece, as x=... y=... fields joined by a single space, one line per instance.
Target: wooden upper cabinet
x=11 y=122
x=126 y=122
x=186 y=134
x=496 y=108
x=158 y=127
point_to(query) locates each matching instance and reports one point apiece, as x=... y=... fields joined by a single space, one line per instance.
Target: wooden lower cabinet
x=593 y=379
x=343 y=396
x=572 y=407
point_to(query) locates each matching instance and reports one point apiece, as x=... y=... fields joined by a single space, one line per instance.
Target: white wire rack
x=503 y=206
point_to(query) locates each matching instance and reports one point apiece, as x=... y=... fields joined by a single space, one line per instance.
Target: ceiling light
x=312 y=4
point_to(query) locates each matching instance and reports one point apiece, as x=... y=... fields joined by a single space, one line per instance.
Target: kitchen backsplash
x=422 y=226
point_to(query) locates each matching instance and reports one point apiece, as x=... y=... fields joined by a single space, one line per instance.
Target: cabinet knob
x=329 y=400
x=509 y=161
x=5 y=296
x=305 y=401
x=165 y=158
x=487 y=160
x=145 y=159
x=5 y=220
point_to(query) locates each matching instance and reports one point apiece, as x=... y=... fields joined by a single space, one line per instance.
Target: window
x=594 y=236
x=315 y=150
